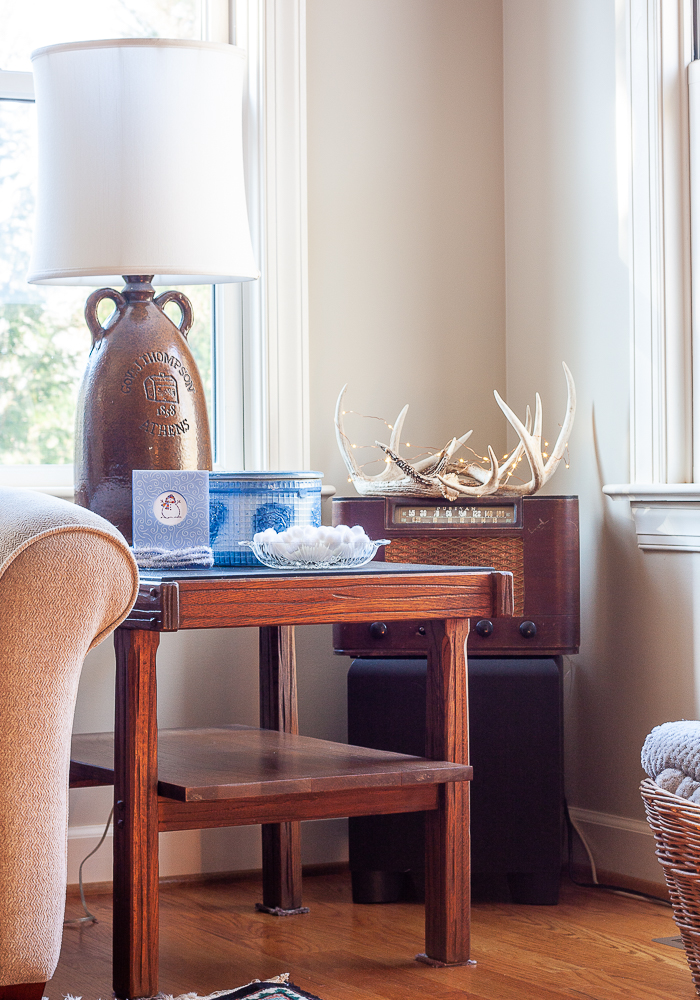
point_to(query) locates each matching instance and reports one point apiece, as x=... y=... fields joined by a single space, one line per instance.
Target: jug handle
x=95 y=327
x=187 y=317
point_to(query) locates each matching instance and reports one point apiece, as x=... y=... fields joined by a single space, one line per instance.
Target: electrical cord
x=572 y=825
x=89 y=918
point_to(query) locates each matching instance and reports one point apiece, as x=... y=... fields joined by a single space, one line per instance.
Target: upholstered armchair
x=67 y=579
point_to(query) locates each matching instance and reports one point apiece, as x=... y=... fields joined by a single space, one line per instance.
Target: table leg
x=281 y=842
x=447 y=875
x=135 y=929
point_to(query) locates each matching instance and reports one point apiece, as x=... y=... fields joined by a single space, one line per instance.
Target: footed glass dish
x=314 y=557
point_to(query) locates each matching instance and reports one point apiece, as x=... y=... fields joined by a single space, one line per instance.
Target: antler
x=435 y=476
x=485 y=488
x=532 y=442
x=389 y=472
x=504 y=471
x=394 y=478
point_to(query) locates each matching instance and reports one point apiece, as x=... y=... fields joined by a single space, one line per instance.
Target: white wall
x=567 y=297
x=405 y=219
x=406 y=304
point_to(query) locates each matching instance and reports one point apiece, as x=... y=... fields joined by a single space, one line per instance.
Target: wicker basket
x=675 y=823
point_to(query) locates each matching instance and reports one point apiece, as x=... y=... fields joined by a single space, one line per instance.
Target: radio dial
x=484 y=628
x=378 y=630
x=528 y=630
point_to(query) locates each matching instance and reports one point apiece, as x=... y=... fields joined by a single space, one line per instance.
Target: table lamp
x=140 y=179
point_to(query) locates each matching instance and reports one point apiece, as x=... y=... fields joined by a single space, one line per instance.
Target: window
x=43 y=338
x=657 y=47
x=257 y=366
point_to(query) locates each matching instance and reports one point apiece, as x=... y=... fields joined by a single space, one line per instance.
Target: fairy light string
x=461 y=471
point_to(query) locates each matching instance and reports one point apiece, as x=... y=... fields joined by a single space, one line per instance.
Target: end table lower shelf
x=239 y=775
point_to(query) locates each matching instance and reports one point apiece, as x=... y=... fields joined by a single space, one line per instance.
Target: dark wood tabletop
x=236 y=596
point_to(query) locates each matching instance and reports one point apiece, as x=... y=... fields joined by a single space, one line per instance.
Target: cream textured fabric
x=67 y=579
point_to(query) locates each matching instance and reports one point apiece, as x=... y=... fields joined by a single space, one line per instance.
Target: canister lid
x=257 y=477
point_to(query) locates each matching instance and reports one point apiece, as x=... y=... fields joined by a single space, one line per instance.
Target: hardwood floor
x=593 y=945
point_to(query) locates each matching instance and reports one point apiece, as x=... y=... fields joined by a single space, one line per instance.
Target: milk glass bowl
x=315 y=548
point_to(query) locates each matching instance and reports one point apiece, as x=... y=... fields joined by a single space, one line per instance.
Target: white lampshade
x=140 y=163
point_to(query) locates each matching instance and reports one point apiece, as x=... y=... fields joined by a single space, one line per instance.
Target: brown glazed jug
x=141 y=403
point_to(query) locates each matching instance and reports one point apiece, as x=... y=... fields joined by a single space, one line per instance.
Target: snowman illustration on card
x=170 y=508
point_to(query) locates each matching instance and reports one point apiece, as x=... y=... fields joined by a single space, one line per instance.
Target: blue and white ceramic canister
x=243 y=503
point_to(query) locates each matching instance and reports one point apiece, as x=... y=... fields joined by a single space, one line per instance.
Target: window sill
x=666 y=515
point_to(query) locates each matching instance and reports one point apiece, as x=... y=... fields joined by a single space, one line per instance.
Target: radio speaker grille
x=501 y=553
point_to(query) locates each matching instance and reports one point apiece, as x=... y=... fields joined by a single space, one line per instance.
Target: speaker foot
x=376 y=887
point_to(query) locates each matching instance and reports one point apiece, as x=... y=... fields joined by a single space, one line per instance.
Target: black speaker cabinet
x=517 y=792
x=535 y=538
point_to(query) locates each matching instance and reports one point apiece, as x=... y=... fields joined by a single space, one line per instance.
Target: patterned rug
x=278 y=988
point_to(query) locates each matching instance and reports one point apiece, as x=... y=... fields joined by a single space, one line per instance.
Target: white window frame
x=664 y=488
x=660 y=48
x=261 y=374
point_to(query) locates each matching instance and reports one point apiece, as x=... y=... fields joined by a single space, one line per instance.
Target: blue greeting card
x=170 y=509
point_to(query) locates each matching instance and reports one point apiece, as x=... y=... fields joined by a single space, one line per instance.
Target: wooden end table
x=237 y=775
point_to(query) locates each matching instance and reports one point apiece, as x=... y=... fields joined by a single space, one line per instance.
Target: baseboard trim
x=195 y=852
x=307 y=871
x=623 y=850
x=657 y=890
x=611 y=821
x=201 y=878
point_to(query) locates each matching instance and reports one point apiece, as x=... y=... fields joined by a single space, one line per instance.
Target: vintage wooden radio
x=535 y=537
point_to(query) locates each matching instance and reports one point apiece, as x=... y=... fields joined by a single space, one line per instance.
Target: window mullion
x=661 y=422
x=275 y=309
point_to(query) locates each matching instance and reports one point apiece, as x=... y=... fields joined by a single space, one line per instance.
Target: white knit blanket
x=671 y=756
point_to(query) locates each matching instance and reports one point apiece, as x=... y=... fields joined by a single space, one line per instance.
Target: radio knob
x=378 y=630
x=484 y=628
x=528 y=630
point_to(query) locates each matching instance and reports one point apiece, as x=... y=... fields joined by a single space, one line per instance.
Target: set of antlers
x=437 y=475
